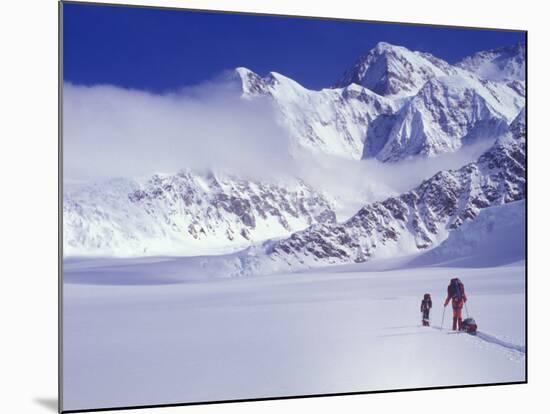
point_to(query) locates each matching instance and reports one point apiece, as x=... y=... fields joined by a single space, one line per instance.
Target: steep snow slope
x=447 y=113
x=440 y=107
x=495 y=237
x=395 y=71
x=506 y=63
x=185 y=214
x=331 y=121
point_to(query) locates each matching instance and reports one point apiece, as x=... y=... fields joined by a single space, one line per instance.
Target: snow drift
x=495 y=237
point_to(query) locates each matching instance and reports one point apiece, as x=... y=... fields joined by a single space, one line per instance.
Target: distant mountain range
x=395 y=104
x=186 y=213
x=392 y=105
x=418 y=219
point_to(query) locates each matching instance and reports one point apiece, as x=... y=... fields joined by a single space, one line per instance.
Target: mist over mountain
x=419 y=219
x=390 y=160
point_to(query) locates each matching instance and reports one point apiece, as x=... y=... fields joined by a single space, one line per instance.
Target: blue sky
x=162 y=50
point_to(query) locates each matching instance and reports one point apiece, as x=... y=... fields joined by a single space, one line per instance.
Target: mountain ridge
x=503 y=63
x=394 y=71
x=185 y=214
x=418 y=219
x=205 y=212
x=427 y=113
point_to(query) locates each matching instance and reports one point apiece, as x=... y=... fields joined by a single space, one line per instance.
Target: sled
x=469 y=325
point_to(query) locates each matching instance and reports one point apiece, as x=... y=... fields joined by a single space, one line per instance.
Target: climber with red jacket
x=456 y=293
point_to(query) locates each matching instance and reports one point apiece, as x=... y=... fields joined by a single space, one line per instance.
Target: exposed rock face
x=446 y=114
x=517 y=127
x=185 y=212
x=392 y=105
x=418 y=219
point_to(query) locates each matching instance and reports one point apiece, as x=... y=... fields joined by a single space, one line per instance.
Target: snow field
x=328 y=331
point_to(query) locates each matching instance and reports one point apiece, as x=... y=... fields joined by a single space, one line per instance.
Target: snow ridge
x=394 y=71
x=502 y=64
x=393 y=104
x=330 y=121
x=417 y=220
x=446 y=114
x=185 y=214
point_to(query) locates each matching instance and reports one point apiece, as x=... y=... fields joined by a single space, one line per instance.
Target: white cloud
x=110 y=131
x=356 y=183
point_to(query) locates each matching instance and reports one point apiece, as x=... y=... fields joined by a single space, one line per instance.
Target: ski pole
x=442 y=318
x=467 y=313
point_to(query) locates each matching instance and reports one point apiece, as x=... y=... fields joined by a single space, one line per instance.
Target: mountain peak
x=242 y=71
x=250 y=82
x=503 y=63
x=253 y=84
x=384 y=46
x=394 y=71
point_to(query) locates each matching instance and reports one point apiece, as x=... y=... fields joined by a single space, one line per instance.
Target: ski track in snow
x=488 y=339
x=476 y=338
x=494 y=340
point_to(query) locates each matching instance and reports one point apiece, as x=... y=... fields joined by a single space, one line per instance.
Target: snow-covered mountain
x=447 y=113
x=518 y=127
x=413 y=222
x=502 y=64
x=393 y=105
x=185 y=214
x=418 y=219
x=330 y=121
x=395 y=71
